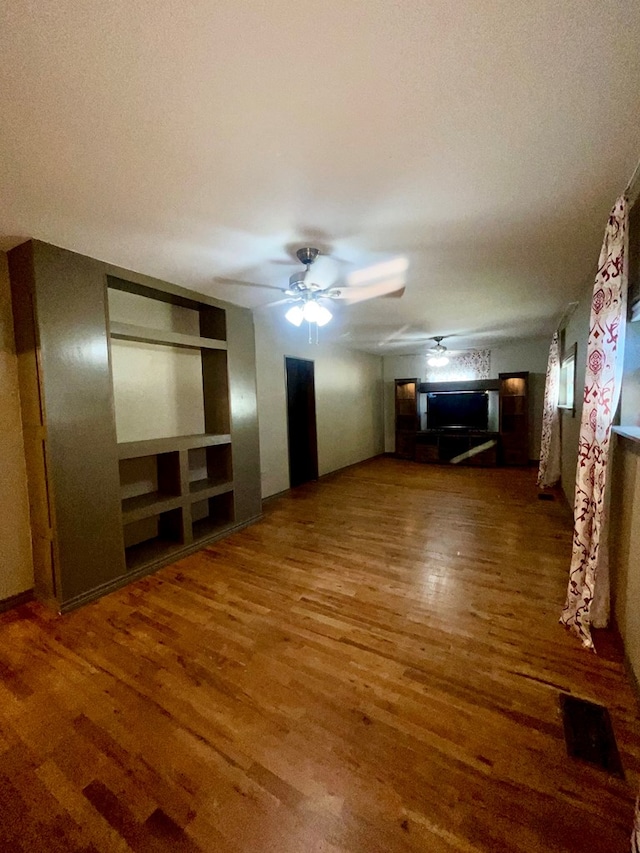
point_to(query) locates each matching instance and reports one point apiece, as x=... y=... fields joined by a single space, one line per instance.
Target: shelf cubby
x=149 y=485
x=210 y=470
x=152 y=538
x=212 y=516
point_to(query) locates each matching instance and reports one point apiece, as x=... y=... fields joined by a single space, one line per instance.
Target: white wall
x=16 y=567
x=170 y=400
x=348 y=400
x=528 y=355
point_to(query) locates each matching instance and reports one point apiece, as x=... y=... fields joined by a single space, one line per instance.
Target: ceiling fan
x=437 y=355
x=382 y=279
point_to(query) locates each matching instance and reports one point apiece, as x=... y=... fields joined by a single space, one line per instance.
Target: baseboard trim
x=16 y=600
x=150 y=568
x=321 y=477
x=350 y=465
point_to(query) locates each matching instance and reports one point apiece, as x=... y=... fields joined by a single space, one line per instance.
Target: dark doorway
x=301 y=421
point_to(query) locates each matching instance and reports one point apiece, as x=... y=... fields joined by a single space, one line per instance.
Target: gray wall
x=625 y=546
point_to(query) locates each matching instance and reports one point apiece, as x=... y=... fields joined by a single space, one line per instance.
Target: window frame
x=569 y=357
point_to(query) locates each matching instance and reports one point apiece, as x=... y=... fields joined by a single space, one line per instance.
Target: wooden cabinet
x=514 y=418
x=406 y=417
x=105 y=510
x=476 y=448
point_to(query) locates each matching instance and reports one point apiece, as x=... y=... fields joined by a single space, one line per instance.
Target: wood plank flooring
x=372 y=668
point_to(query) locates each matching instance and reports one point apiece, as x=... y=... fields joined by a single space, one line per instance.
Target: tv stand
x=457 y=446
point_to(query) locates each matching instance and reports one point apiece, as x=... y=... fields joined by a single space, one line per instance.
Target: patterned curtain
x=588 y=591
x=635 y=835
x=549 y=470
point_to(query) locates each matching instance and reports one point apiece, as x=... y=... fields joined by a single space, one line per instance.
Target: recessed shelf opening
x=148 y=484
x=151 y=538
x=212 y=515
x=143 y=475
x=209 y=467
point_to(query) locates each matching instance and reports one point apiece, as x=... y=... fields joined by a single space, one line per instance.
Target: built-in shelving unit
x=137 y=398
x=184 y=490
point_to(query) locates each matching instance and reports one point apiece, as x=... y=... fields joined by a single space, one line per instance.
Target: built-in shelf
x=208 y=528
x=132 y=332
x=148 y=537
x=150 y=551
x=212 y=515
x=148 y=447
x=147 y=505
x=208 y=488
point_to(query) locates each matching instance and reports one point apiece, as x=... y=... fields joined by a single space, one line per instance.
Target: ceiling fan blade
x=380 y=272
x=324 y=272
x=232 y=282
x=350 y=295
x=286 y=300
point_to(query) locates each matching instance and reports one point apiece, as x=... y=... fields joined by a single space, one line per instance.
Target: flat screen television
x=458 y=410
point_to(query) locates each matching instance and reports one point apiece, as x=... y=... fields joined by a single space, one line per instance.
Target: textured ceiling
x=199 y=142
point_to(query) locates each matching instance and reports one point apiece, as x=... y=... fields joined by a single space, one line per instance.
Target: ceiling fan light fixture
x=437 y=355
x=295 y=315
x=313 y=312
x=437 y=361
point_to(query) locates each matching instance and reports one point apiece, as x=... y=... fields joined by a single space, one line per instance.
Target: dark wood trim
x=16 y=600
x=153 y=288
x=468 y=385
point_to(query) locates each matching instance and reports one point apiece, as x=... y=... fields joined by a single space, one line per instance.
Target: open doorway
x=301 y=421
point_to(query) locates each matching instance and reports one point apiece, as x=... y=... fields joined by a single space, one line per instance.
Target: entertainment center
x=475 y=422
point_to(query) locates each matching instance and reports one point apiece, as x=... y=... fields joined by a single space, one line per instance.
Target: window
x=567 y=390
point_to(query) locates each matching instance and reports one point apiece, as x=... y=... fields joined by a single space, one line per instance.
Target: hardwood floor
x=373 y=668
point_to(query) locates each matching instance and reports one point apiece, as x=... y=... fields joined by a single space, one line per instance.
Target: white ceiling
x=484 y=141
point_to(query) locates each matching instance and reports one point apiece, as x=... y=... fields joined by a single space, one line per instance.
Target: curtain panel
x=587 y=600
x=549 y=469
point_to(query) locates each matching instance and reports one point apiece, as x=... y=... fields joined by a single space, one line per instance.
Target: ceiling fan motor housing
x=307 y=255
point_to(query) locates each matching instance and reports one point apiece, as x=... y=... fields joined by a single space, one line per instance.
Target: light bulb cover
x=295 y=315
x=310 y=311
x=437 y=361
x=323 y=315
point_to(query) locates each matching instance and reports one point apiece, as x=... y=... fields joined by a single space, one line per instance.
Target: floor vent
x=545 y=496
x=589 y=734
